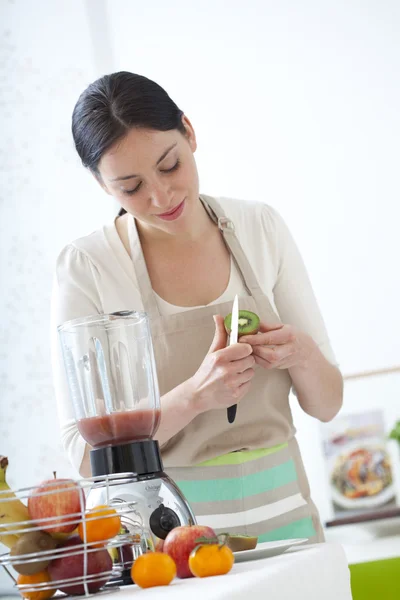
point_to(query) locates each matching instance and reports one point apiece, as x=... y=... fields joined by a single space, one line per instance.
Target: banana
x=11 y=512
x=113 y=552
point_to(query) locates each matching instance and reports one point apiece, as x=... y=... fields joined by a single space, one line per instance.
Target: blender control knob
x=162 y=520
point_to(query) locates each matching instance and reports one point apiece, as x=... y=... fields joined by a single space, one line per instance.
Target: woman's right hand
x=225 y=374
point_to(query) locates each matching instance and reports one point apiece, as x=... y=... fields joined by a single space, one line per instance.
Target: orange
x=42 y=577
x=152 y=569
x=211 y=559
x=102 y=523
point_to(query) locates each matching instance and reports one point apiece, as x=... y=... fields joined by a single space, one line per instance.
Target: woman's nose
x=161 y=196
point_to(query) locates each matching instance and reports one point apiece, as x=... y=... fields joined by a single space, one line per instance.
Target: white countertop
x=307 y=573
x=365 y=542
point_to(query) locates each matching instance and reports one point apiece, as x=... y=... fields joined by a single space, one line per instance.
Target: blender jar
x=112 y=378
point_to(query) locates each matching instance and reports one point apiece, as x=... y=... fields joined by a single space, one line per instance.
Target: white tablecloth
x=308 y=573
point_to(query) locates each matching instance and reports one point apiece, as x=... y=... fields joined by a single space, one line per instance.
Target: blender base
x=140 y=458
x=152 y=503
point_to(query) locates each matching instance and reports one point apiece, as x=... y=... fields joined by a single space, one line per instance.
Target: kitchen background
x=294 y=103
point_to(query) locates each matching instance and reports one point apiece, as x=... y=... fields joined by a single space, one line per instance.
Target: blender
x=111 y=374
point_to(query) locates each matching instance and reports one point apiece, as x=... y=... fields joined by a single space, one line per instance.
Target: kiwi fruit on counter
x=249 y=323
x=238 y=543
x=28 y=543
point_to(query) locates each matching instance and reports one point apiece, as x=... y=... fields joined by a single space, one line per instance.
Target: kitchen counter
x=304 y=573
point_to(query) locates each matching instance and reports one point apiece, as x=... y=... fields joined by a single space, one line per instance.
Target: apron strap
x=149 y=299
x=227 y=228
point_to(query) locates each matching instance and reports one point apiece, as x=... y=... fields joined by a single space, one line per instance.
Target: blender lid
x=106 y=319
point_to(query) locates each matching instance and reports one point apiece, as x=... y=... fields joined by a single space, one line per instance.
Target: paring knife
x=233 y=338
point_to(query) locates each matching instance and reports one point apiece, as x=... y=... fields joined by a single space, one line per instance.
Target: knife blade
x=233 y=338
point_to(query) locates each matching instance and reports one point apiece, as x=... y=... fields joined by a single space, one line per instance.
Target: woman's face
x=153 y=176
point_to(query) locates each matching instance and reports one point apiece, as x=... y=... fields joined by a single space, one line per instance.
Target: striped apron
x=246 y=477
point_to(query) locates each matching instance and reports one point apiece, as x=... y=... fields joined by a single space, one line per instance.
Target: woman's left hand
x=279 y=346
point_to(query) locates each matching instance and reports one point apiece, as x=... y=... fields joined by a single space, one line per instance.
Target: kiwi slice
x=32 y=542
x=249 y=323
x=238 y=543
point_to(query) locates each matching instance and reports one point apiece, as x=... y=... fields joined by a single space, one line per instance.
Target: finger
x=265 y=327
x=244 y=377
x=283 y=364
x=275 y=337
x=263 y=363
x=276 y=354
x=220 y=335
x=273 y=355
x=291 y=361
x=241 y=391
x=235 y=352
x=239 y=366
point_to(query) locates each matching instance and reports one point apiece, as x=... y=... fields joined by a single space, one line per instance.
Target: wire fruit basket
x=82 y=552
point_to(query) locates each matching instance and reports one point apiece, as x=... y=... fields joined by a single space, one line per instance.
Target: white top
x=95 y=274
x=235 y=286
x=306 y=573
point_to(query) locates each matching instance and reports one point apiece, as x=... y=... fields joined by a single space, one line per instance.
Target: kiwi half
x=238 y=543
x=32 y=542
x=249 y=323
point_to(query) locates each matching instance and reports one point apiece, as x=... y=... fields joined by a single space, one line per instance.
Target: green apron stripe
x=299 y=514
x=230 y=471
x=234 y=506
x=279 y=527
x=214 y=490
x=304 y=528
x=238 y=458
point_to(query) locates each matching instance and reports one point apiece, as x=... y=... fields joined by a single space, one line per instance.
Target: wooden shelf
x=372 y=373
x=380 y=515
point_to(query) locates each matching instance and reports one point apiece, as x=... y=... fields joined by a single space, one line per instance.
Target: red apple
x=180 y=542
x=60 y=497
x=67 y=567
x=159 y=546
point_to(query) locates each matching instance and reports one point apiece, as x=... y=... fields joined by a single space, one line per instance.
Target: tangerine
x=208 y=560
x=40 y=594
x=101 y=523
x=153 y=569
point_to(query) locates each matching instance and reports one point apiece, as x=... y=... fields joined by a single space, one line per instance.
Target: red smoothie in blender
x=119 y=427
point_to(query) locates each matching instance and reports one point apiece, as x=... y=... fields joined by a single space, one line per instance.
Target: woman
x=182 y=257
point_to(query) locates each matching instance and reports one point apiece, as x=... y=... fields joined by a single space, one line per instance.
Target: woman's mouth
x=173 y=214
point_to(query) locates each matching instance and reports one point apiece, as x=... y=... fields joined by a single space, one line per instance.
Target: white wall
x=294 y=103
x=47 y=199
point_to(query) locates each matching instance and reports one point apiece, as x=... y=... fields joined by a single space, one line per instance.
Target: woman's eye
x=137 y=188
x=174 y=168
x=131 y=192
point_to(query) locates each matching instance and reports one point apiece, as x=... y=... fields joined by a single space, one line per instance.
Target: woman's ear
x=190 y=133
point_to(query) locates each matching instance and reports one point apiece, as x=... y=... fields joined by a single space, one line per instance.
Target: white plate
x=266 y=550
x=366 y=502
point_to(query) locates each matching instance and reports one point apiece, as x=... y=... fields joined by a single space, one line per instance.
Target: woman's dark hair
x=114 y=104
